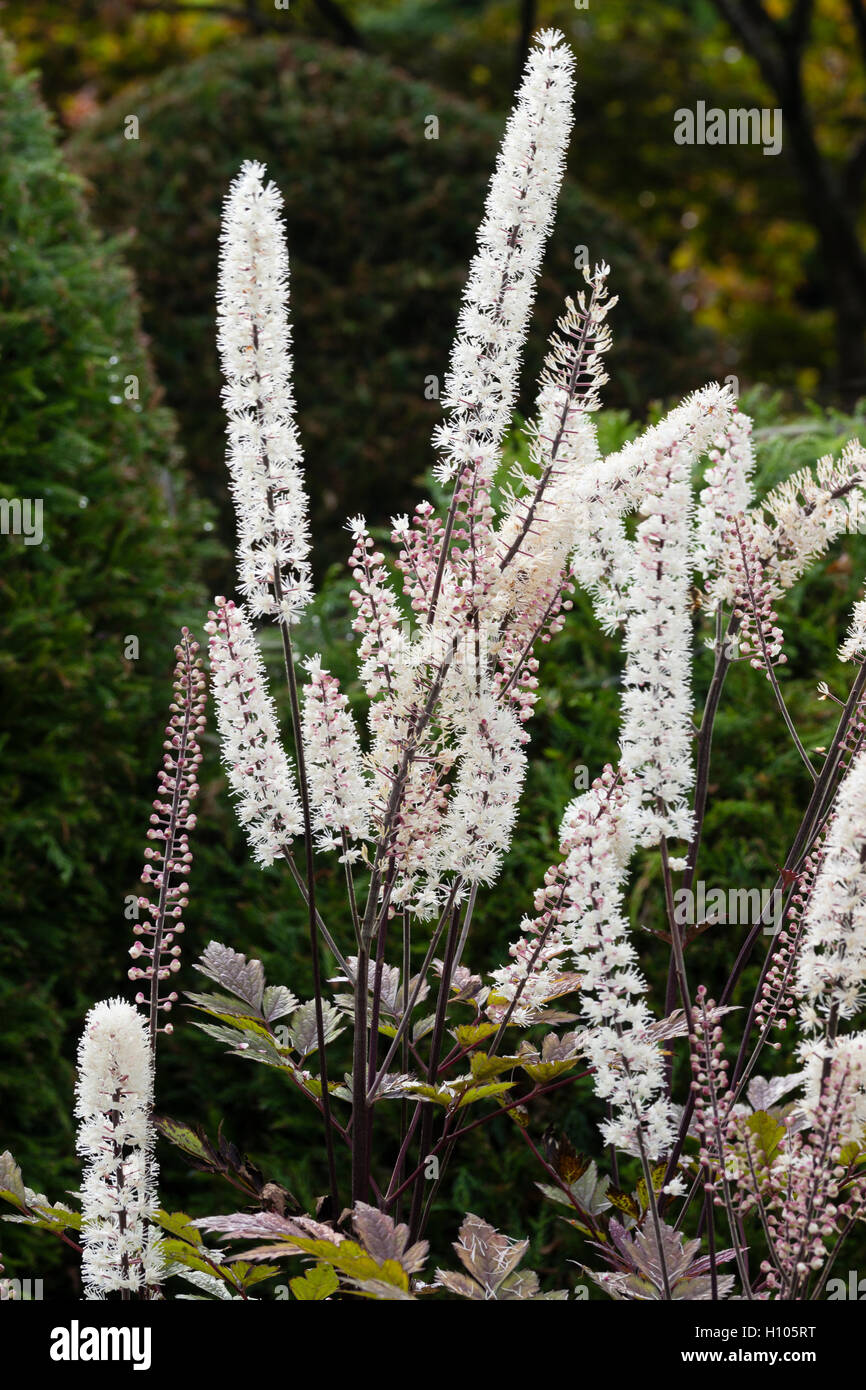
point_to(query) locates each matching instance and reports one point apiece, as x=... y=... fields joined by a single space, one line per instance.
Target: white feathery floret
x=656 y=734
x=476 y=831
x=727 y=491
x=481 y=386
x=854 y=646
x=808 y=511
x=628 y=1070
x=339 y=791
x=113 y=1104
x=259 y=774
x=602 y=554
x=264 y=452
x=831 y=968
x=536 y=534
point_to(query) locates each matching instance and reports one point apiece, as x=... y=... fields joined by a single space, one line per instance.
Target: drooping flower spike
x=656 y=734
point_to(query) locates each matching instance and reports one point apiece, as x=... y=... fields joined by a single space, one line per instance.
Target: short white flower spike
x=113 y=1103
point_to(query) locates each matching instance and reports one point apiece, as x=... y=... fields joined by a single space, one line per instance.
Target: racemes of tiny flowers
x=113 y=1103
x=419 y=800
x=481 y=385
x=258 y=771
x=169 y=863
x=421 y=810
x=264 y=453
x=831 y=969
x=339 y=791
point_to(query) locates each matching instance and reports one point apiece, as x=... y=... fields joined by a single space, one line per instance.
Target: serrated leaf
x=188 y=1256
x=277 y=1002
x=303 y=1026
x=623 y=1201
x=423 y=1027
x=385 y=1240
x=352 y=1260
x=219 y=1005
x=543 y=1072
x=11 y=1181
x=234 y=972
x=476 y=1093
x=421 y=1090
x=249 y=1275
x=177 y=1223
x=469 y=1034
x=483 y=1066
x=184 y=1138
x=316 y=1285
x=43 y=1216
x=767 y=1134
x=490 y=1260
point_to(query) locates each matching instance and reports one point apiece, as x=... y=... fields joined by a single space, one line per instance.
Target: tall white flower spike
x=264 y=451
x=481 y=386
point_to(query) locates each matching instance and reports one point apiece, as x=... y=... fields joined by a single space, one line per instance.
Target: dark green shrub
x=121 y=545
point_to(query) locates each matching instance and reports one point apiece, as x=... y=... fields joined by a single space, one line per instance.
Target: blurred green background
x=727 y=263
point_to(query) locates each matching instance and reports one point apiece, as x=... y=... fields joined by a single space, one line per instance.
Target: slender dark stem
x=705 y=745
x=768 y=660
x=435 y=1053
x=482 y=1120
x=312 y=915
x=403 y=1026
x=360 y=1160
x=301 y=884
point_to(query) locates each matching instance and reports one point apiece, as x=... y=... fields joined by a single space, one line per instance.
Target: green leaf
x=849 y=1154
x=768 y=1133
x=183 y=1254
x=42 y=1216
x=623 y=1201
x=483 y=1066
x=476 y=1093
x=316 y=1285
x=248 y=1274
x=177 y=1223
x=423 y=1091
x=184 y=1138
x=354 y=1261
x=548 y=1071
x=468 y=1034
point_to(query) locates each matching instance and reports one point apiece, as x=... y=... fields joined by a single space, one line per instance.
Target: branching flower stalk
x=428 y=812
x=417 y=803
